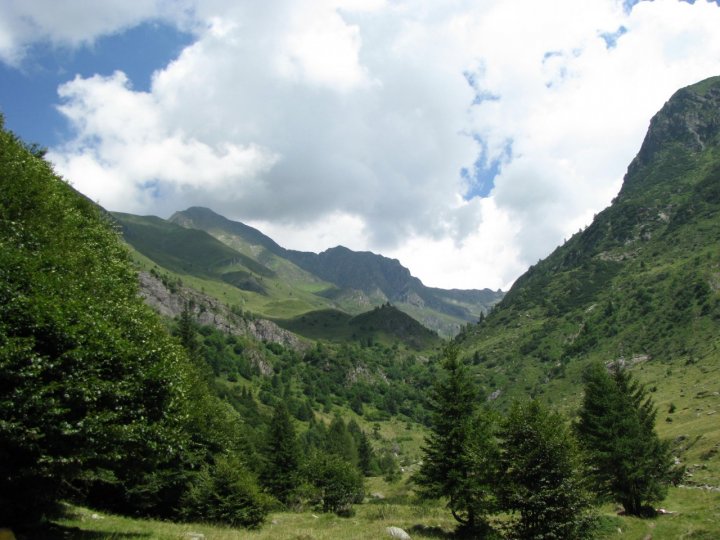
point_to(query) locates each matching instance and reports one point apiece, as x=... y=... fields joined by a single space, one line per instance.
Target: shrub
x=226 y=493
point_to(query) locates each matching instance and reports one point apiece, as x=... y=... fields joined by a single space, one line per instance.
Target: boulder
x=397 y=532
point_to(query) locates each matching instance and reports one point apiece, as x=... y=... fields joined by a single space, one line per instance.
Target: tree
x=282 y=465
x=616 y=428
x=337 y=483
x=340 y=441
x=366 y=455
x=97 y=400
x=88 y=376
x=458 y=452
x=541 y=480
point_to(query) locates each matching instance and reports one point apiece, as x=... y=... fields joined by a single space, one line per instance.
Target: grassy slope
x=641 y=284
x=384 y=325
x=280 y=299
x=443 y=310
x=697 y=517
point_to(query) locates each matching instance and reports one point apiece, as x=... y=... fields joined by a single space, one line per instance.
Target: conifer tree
x=280 y=474
x=451 y=466
x=541 y=480
x=616 y=427
x=340 y=442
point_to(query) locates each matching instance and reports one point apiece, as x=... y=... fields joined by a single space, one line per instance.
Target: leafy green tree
x=366 y=455
x=88 y=376
x=282 y=456
x=616 y=427
x=541 y=481
x=454 y=465
x=97 y=400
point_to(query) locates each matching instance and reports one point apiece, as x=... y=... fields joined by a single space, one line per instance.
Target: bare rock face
x=210 y=312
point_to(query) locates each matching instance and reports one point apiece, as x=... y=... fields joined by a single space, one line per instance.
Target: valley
x=342 y=349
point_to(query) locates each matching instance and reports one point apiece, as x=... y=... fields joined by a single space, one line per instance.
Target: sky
x=466 y=138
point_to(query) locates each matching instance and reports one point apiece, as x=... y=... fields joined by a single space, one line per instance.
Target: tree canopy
x=97 y=400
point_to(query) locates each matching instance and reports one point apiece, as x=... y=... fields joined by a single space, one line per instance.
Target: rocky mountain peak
x=690 y=119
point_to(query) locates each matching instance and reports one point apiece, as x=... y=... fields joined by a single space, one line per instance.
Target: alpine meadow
x=190 y=378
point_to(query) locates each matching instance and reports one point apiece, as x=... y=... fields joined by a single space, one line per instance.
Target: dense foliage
x=280 y=472
x=375 y=380
x=97 y=401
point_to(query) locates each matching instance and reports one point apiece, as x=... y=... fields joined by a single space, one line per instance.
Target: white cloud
x=127 y=157
x=72 y=23
x=329 y=120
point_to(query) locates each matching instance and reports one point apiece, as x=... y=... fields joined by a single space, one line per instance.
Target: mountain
x=185 y=250
x=639 y=286
x=355 y=280
x=385 y=324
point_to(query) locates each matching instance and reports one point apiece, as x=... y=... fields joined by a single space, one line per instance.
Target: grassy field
x=695 y=515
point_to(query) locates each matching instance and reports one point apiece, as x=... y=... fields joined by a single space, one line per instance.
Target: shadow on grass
x=425 y=531
x=58 y=532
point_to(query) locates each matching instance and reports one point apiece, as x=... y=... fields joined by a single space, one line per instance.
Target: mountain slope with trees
x=353 y=280
x=639 y=287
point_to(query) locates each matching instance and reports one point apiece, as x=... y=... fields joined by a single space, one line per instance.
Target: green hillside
x=353 y=281
x=184 y=250
x=638 y=286
x=384 y=324
x=250 y=242
x=197 y=259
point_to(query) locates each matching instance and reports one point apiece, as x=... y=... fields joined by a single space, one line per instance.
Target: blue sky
x=467 y=139
x=28 y=93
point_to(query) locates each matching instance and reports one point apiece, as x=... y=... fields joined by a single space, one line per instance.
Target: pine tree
x=541 y=480
x=366 y=455
x=452 y=467
x=616 y=427
x=280 y=474
x=186 y=331
x=340 y=442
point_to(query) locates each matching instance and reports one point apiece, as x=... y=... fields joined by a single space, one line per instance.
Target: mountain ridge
x=376 y=278
x=640 y=287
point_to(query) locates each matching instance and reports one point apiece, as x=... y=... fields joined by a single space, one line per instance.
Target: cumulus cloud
x=76 y=22
x=128 y=157
x=332 y=119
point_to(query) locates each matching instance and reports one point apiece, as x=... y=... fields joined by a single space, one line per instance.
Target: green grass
x=695 y=515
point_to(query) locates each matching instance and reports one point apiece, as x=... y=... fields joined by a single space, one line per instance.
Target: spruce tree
x=280 y=474
x=541 y=481
x=616 y=427
x=452 y=467
x=340 y=441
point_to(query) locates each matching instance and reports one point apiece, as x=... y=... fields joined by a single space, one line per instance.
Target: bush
x=337 y=483
x=226 y=493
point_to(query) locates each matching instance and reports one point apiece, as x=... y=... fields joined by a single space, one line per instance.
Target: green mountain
x=640 y=285
x=383 y=324
x=353 y=281
x=187 y=250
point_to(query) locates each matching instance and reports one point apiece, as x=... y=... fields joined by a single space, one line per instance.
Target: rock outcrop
x=170 y=302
